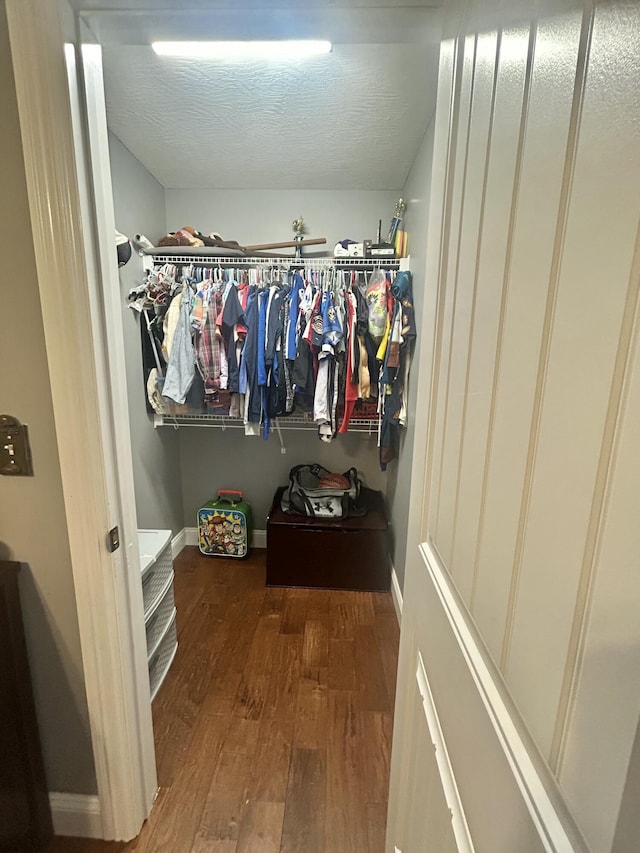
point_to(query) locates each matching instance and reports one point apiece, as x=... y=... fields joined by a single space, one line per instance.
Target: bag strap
x=354 y=479
x=294 y=500
x=308 y=505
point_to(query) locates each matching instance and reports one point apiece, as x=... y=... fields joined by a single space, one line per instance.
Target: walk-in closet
x=462 y=183
x=241 y=150
x=289 y=193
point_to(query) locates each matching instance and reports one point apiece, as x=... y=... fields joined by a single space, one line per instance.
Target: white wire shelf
x=201 y=259
x=367 y=426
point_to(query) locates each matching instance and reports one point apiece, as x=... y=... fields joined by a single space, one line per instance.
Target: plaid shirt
x=208 y=344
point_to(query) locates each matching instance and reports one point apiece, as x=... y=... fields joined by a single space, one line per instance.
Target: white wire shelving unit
x=202 y=257
x=361 y=425
x=365 y=426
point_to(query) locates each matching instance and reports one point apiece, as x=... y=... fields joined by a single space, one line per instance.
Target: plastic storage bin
x=159 y=619
x=163 y=657
x=156 y=571
x=156 y=566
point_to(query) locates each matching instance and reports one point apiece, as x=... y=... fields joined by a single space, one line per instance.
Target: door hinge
x=113 y=539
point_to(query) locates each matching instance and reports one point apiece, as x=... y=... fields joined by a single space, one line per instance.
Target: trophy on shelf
x=395 y=244
x=297 y=243
x=396 y=222
x=298 y=232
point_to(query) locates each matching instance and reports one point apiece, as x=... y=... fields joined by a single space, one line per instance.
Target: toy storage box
x=349 y=553
x=224 y=526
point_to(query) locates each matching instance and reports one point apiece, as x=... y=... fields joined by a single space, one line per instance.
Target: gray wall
x=261 y=216
x=33 y=528
x=214 y=460
x=416 y=193
x=139 y=203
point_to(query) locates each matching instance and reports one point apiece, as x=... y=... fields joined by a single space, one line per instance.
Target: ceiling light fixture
x=288 y=49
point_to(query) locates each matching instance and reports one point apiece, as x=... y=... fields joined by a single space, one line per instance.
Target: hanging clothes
x=352 y=386
x=249 y=364
x=181 y=367
x=232 y=315
x=209 y=354
x=271 y=343
x=395 y=373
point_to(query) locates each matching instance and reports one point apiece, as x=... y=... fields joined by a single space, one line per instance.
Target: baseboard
x=178 y=542
x=76 y=815
x=396 y=594
x=258 y=537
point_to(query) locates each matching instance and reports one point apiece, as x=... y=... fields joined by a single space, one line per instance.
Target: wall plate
x=15 y=451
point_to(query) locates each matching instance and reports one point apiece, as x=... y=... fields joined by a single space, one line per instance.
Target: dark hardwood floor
x=273 y=727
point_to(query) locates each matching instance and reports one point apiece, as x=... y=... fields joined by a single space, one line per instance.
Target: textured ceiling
x=353 y=119
x=146 y=6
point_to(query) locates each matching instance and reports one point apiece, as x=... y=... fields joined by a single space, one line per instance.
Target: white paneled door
x=522 y=598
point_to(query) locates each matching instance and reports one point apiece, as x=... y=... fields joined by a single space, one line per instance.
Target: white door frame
x=87 y=386
x=427 y=368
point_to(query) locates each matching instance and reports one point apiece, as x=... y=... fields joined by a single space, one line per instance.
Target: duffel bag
x=317 y=493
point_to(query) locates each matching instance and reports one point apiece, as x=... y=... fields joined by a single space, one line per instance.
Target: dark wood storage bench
x=343 y=554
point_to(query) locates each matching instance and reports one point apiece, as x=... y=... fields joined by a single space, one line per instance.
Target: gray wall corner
x=139 y=206
x=416 y=193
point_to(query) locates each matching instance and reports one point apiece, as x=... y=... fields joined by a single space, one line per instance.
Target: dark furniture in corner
x=350 y=553
x=25 y=816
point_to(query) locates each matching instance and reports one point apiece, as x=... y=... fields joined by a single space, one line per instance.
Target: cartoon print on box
x=222 y=532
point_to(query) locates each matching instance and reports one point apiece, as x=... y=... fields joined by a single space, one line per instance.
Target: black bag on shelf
x=317 y=493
